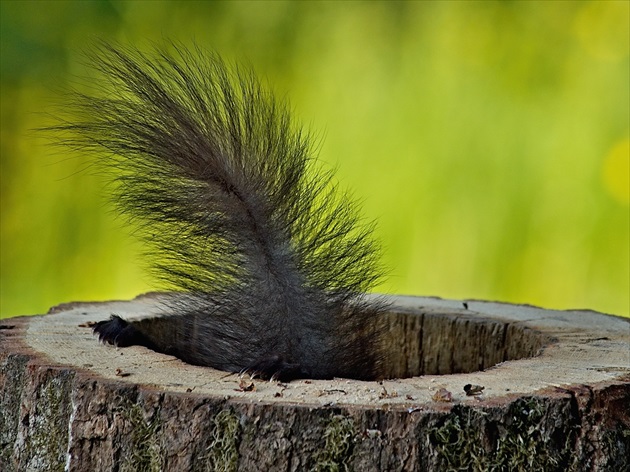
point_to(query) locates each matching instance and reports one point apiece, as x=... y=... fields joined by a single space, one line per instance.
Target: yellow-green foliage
x=490 y=139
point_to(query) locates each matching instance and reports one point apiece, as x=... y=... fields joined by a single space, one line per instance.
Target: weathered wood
x=556 y=397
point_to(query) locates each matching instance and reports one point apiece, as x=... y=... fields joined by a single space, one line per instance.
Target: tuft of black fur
x=269 y=258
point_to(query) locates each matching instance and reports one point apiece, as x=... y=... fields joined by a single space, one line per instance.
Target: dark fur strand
x=270 y=258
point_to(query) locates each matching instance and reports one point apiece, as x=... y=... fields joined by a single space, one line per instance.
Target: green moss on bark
x=222 y=453
x=527 y=438
x=339 y=435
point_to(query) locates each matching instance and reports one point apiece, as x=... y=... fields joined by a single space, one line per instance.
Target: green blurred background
x=489 y=139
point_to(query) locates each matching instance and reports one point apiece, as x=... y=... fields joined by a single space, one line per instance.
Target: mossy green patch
x=527 y=438
x=339 y=434
x=47 y=425
x=144 y=446
x=222 y=453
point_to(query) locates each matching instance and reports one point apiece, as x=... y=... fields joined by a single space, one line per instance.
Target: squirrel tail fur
x=268 y=259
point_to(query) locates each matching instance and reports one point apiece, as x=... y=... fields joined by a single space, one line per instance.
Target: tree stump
x=545 y=390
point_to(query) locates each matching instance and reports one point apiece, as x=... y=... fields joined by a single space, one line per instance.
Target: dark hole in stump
x=450 y=343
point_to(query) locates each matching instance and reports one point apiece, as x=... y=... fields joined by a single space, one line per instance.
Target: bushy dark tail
x=272 y=257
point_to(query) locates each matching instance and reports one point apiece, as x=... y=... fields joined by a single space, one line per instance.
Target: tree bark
x=556 y=396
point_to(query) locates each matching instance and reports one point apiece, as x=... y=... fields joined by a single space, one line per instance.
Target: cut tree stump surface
x=556 y=396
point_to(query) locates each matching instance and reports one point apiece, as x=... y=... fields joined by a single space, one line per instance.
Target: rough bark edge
x=49 y=412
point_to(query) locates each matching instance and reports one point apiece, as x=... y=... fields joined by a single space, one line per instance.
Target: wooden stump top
x=574 y=365
x=428 y=337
